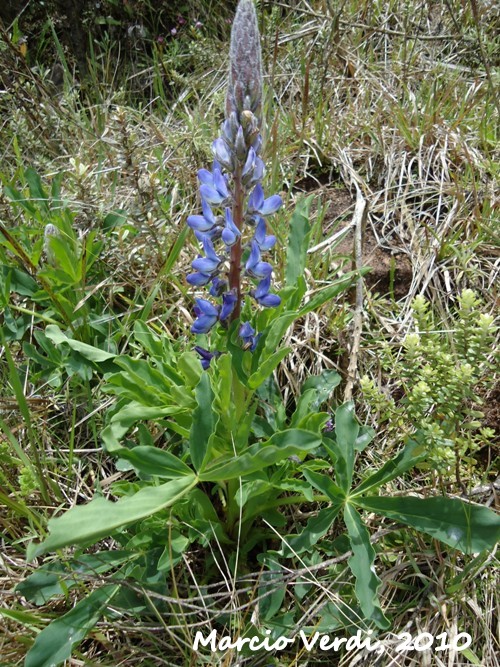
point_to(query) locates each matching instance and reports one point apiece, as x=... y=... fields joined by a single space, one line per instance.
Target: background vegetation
x=108 y=109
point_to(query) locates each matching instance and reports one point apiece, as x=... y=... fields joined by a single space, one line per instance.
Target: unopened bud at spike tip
x=245 y=63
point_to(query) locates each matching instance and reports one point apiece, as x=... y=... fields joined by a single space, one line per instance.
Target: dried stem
x=359 y=218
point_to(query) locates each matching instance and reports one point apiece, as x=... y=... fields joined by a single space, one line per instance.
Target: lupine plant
x=218 y=456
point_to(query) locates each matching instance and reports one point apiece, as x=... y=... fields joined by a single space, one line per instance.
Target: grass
x=398 y=98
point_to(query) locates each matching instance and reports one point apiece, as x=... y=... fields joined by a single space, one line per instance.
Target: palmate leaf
x=153 y=461
x=362 y=566
x=84 y=524
x=54 y=644
x=412 y=453
x=261 y=455
x=463 y=526
x=89 y=352
x=317 y=526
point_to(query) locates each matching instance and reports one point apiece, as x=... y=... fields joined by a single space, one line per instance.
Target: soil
x=391 y=271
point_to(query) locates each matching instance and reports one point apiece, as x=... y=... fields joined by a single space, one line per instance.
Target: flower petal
x=207 y=308
x=263 y=288
x=198 y=279
x=250 y=162
x=205 y=265
x=200 y=223
x=246 y=330
x=205 y=176
x=270 y=205
x=256 y=198
x=218 y=287
x=203 y=324
x=229 y=300
x=221 y=152
x=270 y=301
x=210 y=194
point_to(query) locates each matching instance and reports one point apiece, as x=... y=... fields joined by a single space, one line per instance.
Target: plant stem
x=236 y=250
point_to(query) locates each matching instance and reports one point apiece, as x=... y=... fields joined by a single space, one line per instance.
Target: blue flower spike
x=234 y=207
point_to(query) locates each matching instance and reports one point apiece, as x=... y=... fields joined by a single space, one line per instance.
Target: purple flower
x=263 y=296
x=329 y=426
x=218 y=287
x=231 y=265
x=213 y=186
x=213 y=234
x=211 y=262
x=264 y=242
x=205 y=222
x=257 y=203
x=207 y=315
x=229 y=300
x=230 y=233
x=206 y=356
x=247 y=333
x=198 y=279
x=223 y=153
x=240 y=145
x=254 y=267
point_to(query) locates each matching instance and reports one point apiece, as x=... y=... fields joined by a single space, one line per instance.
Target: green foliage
x=192 y=436
x=443 y=379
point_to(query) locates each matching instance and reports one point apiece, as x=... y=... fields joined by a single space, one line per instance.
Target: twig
x=359 y=218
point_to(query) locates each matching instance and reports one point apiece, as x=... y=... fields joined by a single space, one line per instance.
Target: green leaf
x=412 y=453
x=56 y=577
x=89 y=352
x=328 y=293
x=36 y=188
x=100 y=517
x=115 y=218
x=190 y=368
x=204 y=421
x=261 y=455
x=54 y=644
x=463 y=526
x=365 y=436
x=298 y=241
x=316 y=527
x=315 y=391
x=325 y=485
x=272 y=337
x=20 y=282
x=323 y=384
x=362 y=566
x=346 y=434
x=155 y=462
x=266 y=368
x=122 y=420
